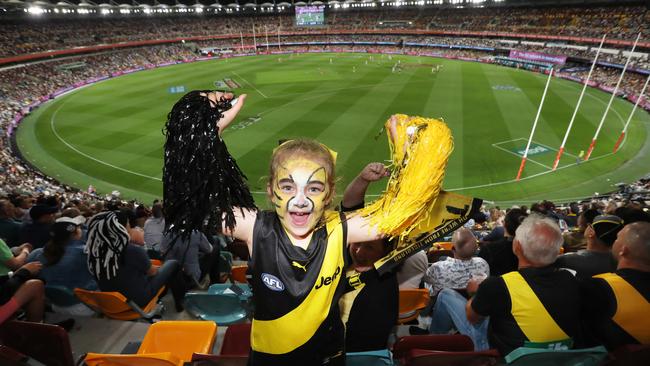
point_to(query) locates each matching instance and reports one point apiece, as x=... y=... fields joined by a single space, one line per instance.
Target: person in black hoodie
x=499 y=253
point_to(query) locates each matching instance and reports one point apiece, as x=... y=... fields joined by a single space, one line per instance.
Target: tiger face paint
x=300 y=194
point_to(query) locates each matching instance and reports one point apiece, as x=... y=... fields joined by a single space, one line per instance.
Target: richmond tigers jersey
x=296 y=292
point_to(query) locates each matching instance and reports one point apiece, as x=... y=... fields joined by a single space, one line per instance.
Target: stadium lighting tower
x=611 y=99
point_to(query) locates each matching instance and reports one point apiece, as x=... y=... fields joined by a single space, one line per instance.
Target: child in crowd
x=298 y=250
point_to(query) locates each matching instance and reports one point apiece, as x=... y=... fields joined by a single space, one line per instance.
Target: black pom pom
x=202 y=182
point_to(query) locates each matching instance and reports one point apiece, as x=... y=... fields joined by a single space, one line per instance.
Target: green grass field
x=109 y=134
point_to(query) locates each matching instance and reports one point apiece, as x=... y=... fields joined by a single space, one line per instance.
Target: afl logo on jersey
x=272 y=282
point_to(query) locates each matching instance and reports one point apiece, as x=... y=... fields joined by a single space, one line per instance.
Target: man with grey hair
x=538 y=303
x=456 y=272
x=616 y=304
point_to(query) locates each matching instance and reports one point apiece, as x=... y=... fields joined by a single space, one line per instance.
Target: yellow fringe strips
x=420 y=150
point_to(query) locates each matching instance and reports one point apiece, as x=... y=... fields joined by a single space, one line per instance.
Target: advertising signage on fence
x=536 y=56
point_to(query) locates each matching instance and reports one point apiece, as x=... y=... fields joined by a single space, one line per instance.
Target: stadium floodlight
x=35 y=10
x=611 y=99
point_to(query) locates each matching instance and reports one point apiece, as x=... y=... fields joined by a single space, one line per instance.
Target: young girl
x=298 y=250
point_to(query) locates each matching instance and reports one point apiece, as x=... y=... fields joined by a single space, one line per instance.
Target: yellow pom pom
x=420 y=149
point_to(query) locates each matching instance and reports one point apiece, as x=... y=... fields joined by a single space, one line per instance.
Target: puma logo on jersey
x=326 y=281
x=298 y=265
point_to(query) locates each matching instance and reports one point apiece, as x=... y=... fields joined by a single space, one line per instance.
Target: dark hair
x=630 y=215
x=589 y=215
x=156 y=210
x=513 y=219
x=125 y=215
x=60 y=235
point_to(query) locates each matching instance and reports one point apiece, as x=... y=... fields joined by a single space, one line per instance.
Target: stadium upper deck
x=21 y=33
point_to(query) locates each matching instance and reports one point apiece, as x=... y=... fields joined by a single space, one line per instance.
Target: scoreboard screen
x=312 y=15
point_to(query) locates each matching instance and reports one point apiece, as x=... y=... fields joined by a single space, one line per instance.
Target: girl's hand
x=229 y=115
x=374 y=172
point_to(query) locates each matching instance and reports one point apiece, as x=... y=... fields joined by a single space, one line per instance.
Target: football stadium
x=361 y=182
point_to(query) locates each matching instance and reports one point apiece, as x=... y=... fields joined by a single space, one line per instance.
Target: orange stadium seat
x=115 y=306
x=411 y=302
x=167 y=343
x=239 y=274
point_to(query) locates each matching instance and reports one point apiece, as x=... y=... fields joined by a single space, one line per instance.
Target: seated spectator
x=136 y=234
x=575 y=240
x=197 y=257
x=141 y=216
x=597 y=258
x=496 y=234
x=12 y=258
x=368 y=326
x=411 y=272
x=154 y=227
x=572 y=216
x=9 y=228
x=537 y=303
x=37 y=233
x=616 y=304
x=455 y=273
x=22 y=291
x=125 y=268
x=498 y=254
x=63 y=258
x=632 y=214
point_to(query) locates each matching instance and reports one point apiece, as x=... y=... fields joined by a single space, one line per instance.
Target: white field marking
x=88 y=156
x=251 y=85
x=369 y=195
x=554 y=149
x=519 y=156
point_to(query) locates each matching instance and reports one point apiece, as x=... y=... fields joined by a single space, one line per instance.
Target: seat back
x=369 y=358
x=151 y=359
x=114 y=305
x=218 y=360
x=435 y=255
x=411 y=302
x=45 y=343
x=237 y=340
x=61 y=296
x=180 y=338
x=221 y=309
x=239 y=273
x=436 y=342
x=539 y=356
x=419 y=357
x=104 y=302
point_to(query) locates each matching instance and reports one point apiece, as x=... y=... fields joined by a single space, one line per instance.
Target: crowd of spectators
x=37 y=35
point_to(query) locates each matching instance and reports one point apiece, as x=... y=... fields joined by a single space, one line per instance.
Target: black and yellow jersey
x=296 y=292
